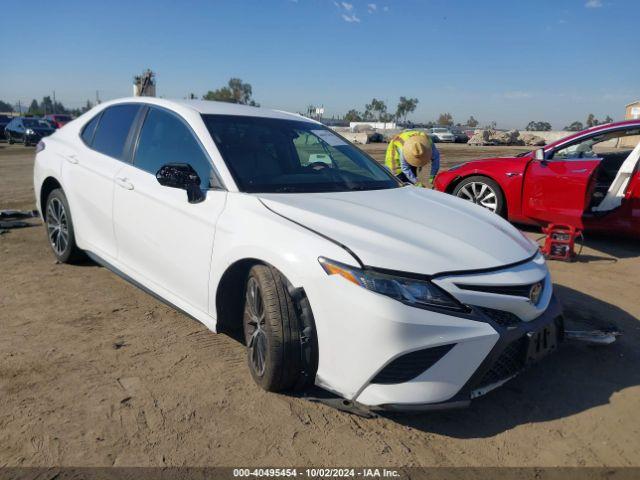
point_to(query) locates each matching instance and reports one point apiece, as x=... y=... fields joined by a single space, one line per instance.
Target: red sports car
x=589 y=180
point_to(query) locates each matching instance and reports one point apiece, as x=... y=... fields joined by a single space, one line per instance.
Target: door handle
x=124 y=183
x=71 y=159
x=580 y=170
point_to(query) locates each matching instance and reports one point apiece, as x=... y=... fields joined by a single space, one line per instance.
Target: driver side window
x=164 y=139
x=581 y=149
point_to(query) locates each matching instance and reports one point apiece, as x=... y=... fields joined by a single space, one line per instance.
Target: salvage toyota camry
x=270 y=224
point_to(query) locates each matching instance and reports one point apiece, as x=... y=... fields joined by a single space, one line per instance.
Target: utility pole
x=54 y=102
x=19 y=109
x=97 y=97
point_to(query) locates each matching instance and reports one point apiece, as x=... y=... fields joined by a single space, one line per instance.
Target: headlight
x=414 y=292
x=29 y=131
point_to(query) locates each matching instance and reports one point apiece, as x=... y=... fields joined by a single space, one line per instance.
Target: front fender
x=248 y=230
x=507 y=173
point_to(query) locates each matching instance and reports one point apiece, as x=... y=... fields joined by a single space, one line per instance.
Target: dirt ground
x=95 y=372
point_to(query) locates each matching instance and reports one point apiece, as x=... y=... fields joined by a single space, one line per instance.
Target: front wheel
x=482 y=191
x=9 y=138
x=60 y=233
x=274 y=334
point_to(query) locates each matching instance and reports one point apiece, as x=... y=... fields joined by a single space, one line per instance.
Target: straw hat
x=417 y=150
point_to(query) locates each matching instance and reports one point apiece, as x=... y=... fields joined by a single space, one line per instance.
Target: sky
x=508 y=61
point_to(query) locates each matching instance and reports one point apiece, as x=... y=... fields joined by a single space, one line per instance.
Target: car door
x=165 y=241
x=88 y=173
x=634 y=200
x=17 y=132
x=556 y=189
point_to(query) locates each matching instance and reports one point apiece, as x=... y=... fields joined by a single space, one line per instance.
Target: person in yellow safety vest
x=409 y=151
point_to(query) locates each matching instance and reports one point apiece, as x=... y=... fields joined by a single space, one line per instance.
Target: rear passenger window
x=113 y=130
x=166 y=139
x=89 y=130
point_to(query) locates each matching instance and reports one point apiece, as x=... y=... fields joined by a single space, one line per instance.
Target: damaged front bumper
x=518 y=347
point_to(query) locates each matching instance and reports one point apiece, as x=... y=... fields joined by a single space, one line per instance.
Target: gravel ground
x=94 y=372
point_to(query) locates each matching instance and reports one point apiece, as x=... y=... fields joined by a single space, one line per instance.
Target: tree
x=445 y=119
x=472 y=122
x=5 y=107
x=353 y=116
x=386 y=117
x=608 y=119
x=592 y=121
x=574 y=127
x=34 y=108
x=235 y=92
x=375 y=107
x=538 y=126
x=405 y=107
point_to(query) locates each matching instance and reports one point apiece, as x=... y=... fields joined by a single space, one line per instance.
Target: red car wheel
x=482 y=191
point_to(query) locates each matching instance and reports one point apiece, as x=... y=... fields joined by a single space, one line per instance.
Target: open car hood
x=408 y=229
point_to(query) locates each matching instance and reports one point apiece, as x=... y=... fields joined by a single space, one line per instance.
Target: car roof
x=214 y=108
x=598 y=128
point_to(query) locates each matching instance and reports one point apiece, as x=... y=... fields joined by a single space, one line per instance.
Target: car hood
x=407 y=229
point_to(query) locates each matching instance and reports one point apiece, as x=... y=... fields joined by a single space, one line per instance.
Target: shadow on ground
x=573 y=380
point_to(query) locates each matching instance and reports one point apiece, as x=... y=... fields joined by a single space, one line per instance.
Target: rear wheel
x=274 y=333
x=482 y=191
x=60 y=233
x=9 y=138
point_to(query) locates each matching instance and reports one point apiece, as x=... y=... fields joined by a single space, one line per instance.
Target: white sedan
x=442 y=135
x=268 y=223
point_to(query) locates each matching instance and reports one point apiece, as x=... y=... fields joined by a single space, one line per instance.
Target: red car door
x=633 y=197
x=556 y=190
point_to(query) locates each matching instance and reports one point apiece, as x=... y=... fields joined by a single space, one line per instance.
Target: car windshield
x=62 y=118
x=32 y=122
x=440 y=130
x=267 y=155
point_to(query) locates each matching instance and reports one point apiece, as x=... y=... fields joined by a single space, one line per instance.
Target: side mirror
x=183 y=176
x=539 y=155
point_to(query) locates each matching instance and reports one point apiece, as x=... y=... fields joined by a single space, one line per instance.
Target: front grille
x=409 y=366
x=501 y=317
x=510 y=362
x=513 y=290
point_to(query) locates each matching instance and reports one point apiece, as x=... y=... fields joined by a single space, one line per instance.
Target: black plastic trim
x=410 y=365
x=510 y=290
x=508 y=336
x=101 y=261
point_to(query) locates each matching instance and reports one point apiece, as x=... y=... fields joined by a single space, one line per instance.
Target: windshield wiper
x=286 y=189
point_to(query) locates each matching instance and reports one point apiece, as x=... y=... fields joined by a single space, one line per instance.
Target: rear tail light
x=40 y=146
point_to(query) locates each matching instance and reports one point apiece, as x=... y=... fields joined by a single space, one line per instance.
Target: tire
x=9 y=138
x=482 y=191
x=60 y=233
x=25 y=141
x=277 y=344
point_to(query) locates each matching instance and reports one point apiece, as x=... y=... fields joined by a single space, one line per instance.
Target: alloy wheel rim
x=57 y=226
x=257 y=334
x=480 y=194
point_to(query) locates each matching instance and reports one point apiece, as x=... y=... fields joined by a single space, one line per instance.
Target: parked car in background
x=311 y=261
x=4 y=121
x=589 y=180
x=27 y=130
x=459 y=135
x=441 y=134
x=58 y=119
x=51 y=123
